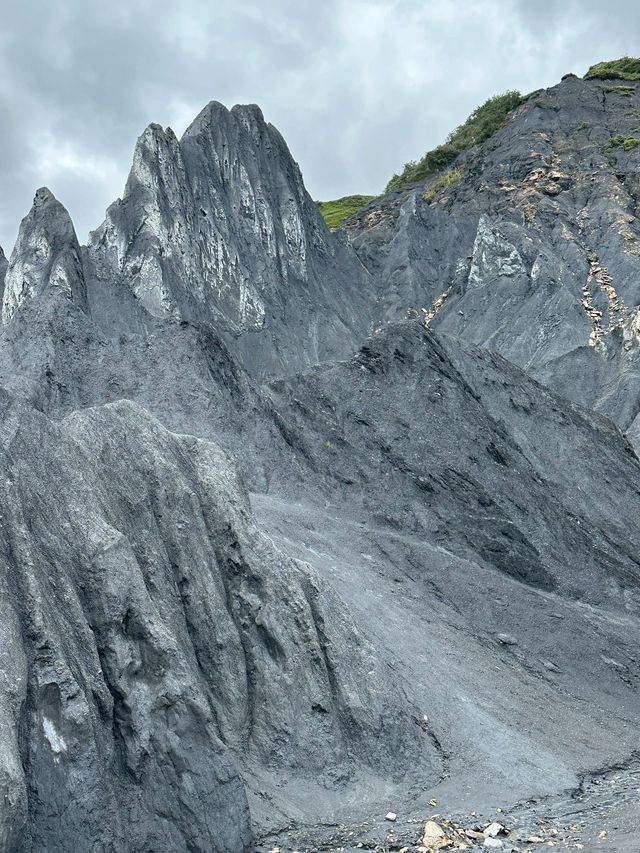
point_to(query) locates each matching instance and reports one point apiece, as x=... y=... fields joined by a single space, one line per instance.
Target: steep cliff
x=147 y=623
x=46 y=259
x=3 y=271
x=406 y=572
x=218 y=228
x=534 y=249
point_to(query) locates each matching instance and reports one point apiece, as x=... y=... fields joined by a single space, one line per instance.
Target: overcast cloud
x=357 y=87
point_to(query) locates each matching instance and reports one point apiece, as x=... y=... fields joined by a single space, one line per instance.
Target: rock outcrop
x=46 y=260
x=3 y=271
x=368 y=581
x=379 y=429
x=218 y=228
x=152 y=640
x=534 y=251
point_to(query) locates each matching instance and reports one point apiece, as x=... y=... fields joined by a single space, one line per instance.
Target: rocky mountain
x=148 y=622
x=46 y=259
x=277 y=561
x=218 y=228
x=533 y=248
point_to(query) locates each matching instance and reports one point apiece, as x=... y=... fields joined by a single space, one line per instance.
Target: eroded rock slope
x=535 y=250
x=156 y=644
x=432 y=588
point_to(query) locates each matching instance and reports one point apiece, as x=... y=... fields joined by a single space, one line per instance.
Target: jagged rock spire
x=46 y=257
x=218 y=228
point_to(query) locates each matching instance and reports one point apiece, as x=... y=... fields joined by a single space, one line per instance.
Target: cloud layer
x=357 y=87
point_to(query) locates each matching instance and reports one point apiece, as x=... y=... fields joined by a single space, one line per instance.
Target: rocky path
x=603 y=813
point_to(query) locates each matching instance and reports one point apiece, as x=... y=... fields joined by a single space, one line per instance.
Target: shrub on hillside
x=481 y=124
x=627 y=68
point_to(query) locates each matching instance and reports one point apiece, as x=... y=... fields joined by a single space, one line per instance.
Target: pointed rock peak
x=216 y=114
x=153 y=135
x=44 y=196
x=156 y=150
x=46 y=257
x=213 y=113
x=248 y=113
x=153 y=142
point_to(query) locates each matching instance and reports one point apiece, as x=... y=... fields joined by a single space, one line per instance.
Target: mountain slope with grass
x=309 y=536
x=530 y=245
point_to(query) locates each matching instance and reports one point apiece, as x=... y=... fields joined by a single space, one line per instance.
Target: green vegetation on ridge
x=483 y=122
x=446 y=180
x=335 y=212
x=626 y=91
x=627 y=68
x=627 y=143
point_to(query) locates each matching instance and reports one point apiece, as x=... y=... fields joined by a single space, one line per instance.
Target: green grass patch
x=481 y=124
x=627 y=91
x=627 y=143
x=335 y=212
x=627 y=68
x=447 y=180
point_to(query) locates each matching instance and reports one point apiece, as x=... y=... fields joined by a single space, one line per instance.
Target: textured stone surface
x=458 y=444
x=147 y=621
x=45 y=259
x=536 y=251
x=218 y=227
x=176 y=653
x=3 y=270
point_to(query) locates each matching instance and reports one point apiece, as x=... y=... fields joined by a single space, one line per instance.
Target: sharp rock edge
x=46 y=260
x=187 y=655
x=218 y=227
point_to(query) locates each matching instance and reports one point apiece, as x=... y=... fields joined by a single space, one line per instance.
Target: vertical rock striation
x=46 y=260
x=155 y=643
x=218 y=228
x=534 y=252
x=3 y=271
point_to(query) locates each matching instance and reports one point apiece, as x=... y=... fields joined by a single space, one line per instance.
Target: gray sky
x=357 y=87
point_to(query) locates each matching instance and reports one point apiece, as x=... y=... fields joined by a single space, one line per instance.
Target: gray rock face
x=180 y=658
x=59 y=360
x=218 y=227
x=3 y=270
x=46 y=258
x=455 y=502
x=380 y=429
x=534 y=252
x=146 y=622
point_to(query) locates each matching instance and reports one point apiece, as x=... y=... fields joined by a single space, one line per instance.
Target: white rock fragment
x=493 y=830
x=392 y=816
x=432 y=832
x=55 y=739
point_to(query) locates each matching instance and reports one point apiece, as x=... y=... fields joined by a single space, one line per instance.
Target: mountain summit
x=301 y=529
x=218 y=228
x=46 y=258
